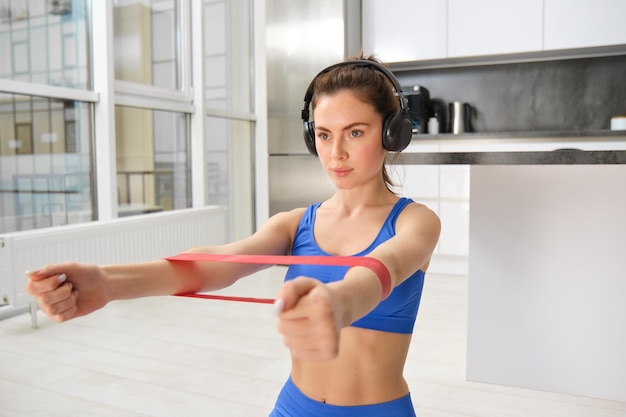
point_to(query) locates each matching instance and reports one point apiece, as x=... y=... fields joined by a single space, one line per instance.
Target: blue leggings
x=292 y=402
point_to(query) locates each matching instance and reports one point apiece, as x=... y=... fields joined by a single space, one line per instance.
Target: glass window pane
x=45 y=42
x=229 y=158
x=227 y=51
x=145 y=35
x=38 y=61
x=46 y=174
x=217 y=145
x=153 y=172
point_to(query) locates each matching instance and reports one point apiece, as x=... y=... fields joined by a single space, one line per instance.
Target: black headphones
x=397 y=128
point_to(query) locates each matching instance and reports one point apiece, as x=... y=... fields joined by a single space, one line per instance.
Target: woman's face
x=348 y=139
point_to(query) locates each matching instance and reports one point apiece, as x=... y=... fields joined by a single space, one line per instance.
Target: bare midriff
x=368 y=370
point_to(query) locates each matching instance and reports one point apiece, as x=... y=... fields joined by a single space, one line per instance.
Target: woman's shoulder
x=418 y=212
x=293 y=214
x=278 y=231
x=412 y=205
x=288 y=218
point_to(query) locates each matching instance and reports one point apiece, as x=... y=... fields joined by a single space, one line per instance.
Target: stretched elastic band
x=228 y=298
x=375 y=265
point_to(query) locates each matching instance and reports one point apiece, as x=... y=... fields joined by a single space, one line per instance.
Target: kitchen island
x=547 y=258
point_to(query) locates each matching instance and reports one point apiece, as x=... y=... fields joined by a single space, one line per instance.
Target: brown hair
x=368 y=83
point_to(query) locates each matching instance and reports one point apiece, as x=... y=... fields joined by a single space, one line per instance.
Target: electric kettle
x=460 y=117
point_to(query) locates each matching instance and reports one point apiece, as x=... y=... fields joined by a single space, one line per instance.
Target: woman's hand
x=69 y=290
x=309 y=318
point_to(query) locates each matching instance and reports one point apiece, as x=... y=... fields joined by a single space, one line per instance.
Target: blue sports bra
x=398 y=311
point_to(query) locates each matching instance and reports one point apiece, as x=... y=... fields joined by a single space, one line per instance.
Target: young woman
x=348 y=347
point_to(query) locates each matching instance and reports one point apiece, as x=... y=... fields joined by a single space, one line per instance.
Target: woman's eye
x=322 y=136
x=355 y=133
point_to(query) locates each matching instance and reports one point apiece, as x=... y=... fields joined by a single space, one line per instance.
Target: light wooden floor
x=170 y=356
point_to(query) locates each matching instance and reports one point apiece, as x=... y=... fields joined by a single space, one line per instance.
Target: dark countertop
x=558 y=157
x=525 y=148
x=543 y=135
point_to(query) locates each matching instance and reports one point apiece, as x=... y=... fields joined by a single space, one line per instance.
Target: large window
x=106 y=112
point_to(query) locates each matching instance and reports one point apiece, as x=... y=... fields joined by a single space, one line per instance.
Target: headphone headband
x=355 y=63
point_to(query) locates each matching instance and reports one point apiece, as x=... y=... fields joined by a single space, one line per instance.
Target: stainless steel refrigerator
x=302 y=38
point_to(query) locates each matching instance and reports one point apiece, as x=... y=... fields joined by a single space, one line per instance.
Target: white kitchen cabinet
x=484 y=27
x=417 y=181
x=584 y=23
x=454 y=209
x=445 y=190
x=404 y=30
x=454 y=237
x=470 y=28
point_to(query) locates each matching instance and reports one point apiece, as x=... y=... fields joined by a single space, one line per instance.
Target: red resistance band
x=374 y=264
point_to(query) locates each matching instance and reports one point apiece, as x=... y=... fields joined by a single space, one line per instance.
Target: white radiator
x=129 y=239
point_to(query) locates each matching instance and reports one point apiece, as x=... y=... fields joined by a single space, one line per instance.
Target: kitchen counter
x=540 y=148
x=557 y=157
x=547 y=232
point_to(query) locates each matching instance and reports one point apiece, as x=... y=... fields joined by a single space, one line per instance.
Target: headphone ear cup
x=309 y=136
x=397 y=131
